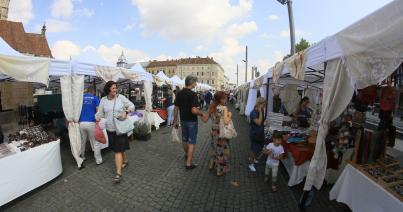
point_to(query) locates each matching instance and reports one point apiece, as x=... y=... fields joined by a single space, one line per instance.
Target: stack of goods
x=387 y=173
x=30 y=137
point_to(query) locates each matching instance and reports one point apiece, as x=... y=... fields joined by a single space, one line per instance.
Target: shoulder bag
x=122 y=127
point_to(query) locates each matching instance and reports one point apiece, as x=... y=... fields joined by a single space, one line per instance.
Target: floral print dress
x=219 y=151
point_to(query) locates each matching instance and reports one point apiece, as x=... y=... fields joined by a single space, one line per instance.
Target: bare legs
x=118 y=162
x=191 y=149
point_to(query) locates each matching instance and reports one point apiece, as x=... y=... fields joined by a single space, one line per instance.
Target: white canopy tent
x=176 y=81
x=363 y=54
x=161 y=78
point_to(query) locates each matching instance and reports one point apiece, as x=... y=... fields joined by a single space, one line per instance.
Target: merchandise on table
x=30 y=137
x=387 y=173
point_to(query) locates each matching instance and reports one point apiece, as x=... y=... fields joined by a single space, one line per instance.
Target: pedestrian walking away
x=208 y=97
x=87 y=124
x=186 y=104
x=220 y=148
x=114 y=107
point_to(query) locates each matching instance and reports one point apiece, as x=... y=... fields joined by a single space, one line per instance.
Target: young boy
x=275 y=153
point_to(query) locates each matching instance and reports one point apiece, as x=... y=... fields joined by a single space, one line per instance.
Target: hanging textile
x=26 y=69
x=72 y=88
x=336 y=96
x=258 y=82
x=148 y=90
x=296 y=65
x=290 y=98
x=277 y=71
x=108 y=73
x=251 y=101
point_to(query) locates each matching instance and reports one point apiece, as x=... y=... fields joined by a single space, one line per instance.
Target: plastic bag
x=175 y=138
x=99 y=134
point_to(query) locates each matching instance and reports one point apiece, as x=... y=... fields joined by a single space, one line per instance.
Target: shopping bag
x=175 y=138
x=99 y=134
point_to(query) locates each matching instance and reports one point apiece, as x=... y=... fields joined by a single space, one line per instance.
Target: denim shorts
x=189 y=132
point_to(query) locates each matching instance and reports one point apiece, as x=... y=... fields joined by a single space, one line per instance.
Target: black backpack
x=1 y=136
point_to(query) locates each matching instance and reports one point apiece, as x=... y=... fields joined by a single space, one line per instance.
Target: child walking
x=275 y=153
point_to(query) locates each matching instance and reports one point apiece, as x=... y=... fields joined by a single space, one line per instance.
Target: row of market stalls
x=330 y=73
x=70 y=78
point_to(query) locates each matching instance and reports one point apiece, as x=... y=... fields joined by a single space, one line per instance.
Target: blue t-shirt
x=254 y=128
x=208 y=97
x=90 y=104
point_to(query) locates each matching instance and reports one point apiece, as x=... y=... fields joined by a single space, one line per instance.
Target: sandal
x=117 y=178
x=125 y=164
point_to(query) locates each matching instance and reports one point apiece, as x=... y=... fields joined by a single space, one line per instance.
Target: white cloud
x=129 y=27
x=298 y=33
x=267 y=36
x=111 y=54
x=20 y=10
x=240 y=30
x=84 y=12
x=191 y=19
x=64 y=49
x=62 y=8
x=273 y=17
x=53 y=25
x=200 y=48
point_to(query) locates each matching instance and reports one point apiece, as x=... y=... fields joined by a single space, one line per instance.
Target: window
x=212 y=82
x=208 y=81
x=202 y=68
x=202 y=73
x=212 y=73
x=197 y=73
x=202 y=81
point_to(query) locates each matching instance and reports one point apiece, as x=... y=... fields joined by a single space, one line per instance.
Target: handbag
x=175 y=138
x=227 y=131
x=122 y=127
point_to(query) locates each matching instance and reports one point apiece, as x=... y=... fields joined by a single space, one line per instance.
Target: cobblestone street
x=156 y=180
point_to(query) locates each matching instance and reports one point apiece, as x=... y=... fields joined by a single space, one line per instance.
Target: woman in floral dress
x=219 y=151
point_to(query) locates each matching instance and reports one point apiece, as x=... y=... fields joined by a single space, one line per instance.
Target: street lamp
x=291 y=22
x=246 y=64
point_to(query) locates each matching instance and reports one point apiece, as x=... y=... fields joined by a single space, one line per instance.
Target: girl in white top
x=275 y=152
x=114 y=106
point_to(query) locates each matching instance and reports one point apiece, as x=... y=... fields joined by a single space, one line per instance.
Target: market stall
x=364 y=54
x=30 y=151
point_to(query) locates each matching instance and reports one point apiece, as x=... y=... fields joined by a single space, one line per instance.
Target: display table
x=25 y=171
x=297 y=173
x=362 y=194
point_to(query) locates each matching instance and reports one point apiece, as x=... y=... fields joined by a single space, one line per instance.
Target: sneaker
x=256 y=161
x=252 y=168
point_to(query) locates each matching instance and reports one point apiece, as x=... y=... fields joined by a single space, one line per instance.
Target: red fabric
x=300 y=154
x=99 y=134
x=368 y=95
x=388 y=98
x=162 y=113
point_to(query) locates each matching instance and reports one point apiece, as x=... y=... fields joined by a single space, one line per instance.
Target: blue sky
x=161 y=29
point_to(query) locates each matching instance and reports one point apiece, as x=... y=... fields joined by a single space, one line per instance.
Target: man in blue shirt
x=87 y=124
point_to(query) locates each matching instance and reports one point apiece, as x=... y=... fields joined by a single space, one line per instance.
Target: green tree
x=302 y=45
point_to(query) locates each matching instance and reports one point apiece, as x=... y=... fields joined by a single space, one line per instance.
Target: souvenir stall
x=30 y=151
x=364 y=54
x=243 y=91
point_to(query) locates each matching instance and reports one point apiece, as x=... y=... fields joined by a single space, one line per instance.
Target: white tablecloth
x=362 y=194
x=25 y=171
x=296 y=173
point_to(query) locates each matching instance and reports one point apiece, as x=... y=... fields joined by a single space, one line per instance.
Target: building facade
x=4 y=9
x=206 y=70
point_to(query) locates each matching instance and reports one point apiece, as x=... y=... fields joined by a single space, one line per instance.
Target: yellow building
x=206 y=70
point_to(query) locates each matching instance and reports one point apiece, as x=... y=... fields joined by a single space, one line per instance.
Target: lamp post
x=246 y=64
x=291 y=22
x=237 y=74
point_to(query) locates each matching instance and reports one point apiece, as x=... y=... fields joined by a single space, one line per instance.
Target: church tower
x=4 y=9
x=122 y=61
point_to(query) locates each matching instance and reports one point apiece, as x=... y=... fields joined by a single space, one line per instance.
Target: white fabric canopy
x=26 y=69
x=176 y=81
x=163 y=78
x=72 y=88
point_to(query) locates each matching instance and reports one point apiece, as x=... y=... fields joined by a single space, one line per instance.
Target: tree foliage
x=302 y=45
